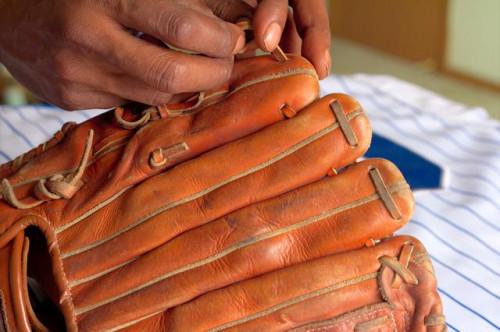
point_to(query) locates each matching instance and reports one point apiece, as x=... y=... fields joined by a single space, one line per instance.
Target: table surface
x=449 y=153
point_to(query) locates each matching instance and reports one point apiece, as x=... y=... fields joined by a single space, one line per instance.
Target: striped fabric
x=457 y=217
x=450 y=155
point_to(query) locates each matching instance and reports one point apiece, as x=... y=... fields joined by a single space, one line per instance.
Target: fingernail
x=328 y=61
x=240 y=43
x=272 y=36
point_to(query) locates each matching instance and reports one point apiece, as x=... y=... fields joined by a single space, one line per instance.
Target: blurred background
x=451 y=47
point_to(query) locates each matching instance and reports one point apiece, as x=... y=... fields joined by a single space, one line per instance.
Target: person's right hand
x=79 y=54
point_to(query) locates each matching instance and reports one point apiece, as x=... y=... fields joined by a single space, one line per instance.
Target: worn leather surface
x=350 y=291
x=252 y=191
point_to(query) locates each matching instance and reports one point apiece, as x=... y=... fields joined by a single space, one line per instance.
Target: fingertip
x=316 y=48
x=269 y=22
x=272 y=36
x=324 y=64
x=240 y=43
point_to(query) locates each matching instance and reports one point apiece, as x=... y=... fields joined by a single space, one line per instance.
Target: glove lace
x=55 y=187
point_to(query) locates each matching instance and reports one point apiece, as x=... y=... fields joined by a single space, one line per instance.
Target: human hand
x=306 y=32
x=79 y=54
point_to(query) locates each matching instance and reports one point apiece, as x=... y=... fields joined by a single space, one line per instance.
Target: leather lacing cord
x=191 y=105
x=56 y=187
x=403 y=274
x=158 y=157
x=23 y=159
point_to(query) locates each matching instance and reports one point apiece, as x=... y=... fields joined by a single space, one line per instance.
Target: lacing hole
x=332 y=171
x=157 y=159
x=370 y=243
x=287 y=111
x=130 y=125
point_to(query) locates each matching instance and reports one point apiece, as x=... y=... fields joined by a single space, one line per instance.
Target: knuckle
x=62 y=68
x=68 y=31
x=166 y=74
x=158 y=98
x=226 y=44
x=65 y=98
x=176 y=27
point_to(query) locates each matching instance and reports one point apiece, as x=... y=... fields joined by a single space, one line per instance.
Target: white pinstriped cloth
x=450 y=153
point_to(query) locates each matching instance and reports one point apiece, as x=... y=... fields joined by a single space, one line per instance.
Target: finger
x=230 y=10
x=320 y=291
x=131 y=89
x=164 y=70
x=312 y=22
x=290 y=41
x=269 y=22
x=183 y=27
x=74 y=96
x=88 y=73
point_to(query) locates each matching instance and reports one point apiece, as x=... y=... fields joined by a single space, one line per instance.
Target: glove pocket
x=24 y=304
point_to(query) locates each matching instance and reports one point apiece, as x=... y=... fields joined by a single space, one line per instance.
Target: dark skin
x=80 y=54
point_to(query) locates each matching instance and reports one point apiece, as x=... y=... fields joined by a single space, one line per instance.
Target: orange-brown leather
x=350 y=291
x=143 y=211
x=121 y=158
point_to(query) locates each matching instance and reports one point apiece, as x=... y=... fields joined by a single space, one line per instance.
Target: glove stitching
x=237 y=246
x=298 y=299
x=201 y=193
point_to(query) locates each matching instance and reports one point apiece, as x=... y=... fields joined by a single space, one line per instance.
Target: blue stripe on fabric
x=85 y=115
x=441 y=151
x=452 y=224
x=458 y=251
x=466 y=208
x=5 y=155
x=474 y=194
x=468 y=308
x=58 y=110
x=475 y=283
x=423 y=128
x=51 y=116
x=420 y=111
x=14 y=130
x=478 y=178
x=419 y=139
x=19 y=112
x=452 y=327
x=413 y=108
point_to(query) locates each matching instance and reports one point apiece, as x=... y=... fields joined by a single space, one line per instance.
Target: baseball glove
x=101 y=221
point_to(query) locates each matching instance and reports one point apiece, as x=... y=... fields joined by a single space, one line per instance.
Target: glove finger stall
x=351 y=291
x=319 y=219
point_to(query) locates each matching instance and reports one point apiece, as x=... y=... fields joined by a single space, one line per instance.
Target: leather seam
x=298 y=299
x=214 y=187
x=395 y=188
